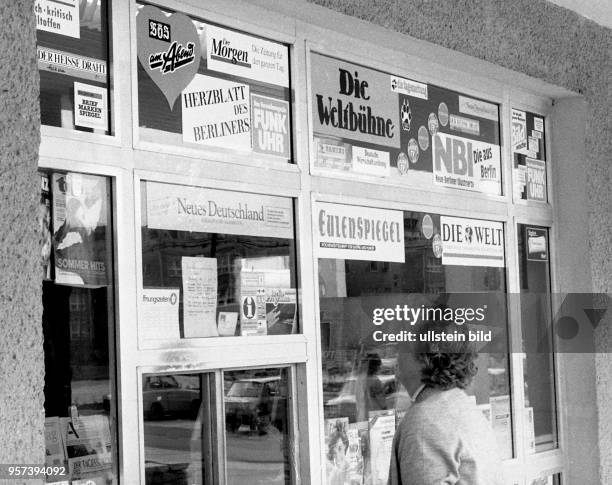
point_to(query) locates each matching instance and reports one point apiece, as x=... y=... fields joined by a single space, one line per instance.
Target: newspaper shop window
x=529 y=155
x=204 y=85
x=433 y=261
x=73 y=62
x=536 y=318
x=78 y=326
x=369 y=123
x=215 y=264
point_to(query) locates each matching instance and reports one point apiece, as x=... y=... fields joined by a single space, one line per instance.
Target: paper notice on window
x=382 y=430
x=90 y=106
x=199 y=296
x=158 y=315
x=227 y=323
x=58 y=17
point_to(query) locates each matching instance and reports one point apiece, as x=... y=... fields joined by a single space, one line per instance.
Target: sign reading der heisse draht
x=361 y=233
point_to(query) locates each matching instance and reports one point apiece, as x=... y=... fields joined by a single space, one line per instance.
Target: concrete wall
x=556 y=45
x=21 y=349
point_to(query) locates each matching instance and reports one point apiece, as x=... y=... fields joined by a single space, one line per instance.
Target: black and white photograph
x=306 y=242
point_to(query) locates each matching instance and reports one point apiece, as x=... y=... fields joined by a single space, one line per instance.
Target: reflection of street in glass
x=256 y=458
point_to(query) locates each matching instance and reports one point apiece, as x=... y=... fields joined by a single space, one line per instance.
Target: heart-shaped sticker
x=168 y=50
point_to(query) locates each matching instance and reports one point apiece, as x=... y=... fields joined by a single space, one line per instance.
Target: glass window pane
x=178 y=412
x=228 y=89
x=258 y=437
x=73 y=62
x=540 y=418
x=529 y=153
x=360 y=381
x=229 y=256
x=78 y=326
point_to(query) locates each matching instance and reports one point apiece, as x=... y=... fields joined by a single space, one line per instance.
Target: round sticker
x=427 y=226
x=436 y=245
x=423 y=138
x=443 y=114
x=413 y=150
x=248 y=307
x=402 y=163
x=432 y=123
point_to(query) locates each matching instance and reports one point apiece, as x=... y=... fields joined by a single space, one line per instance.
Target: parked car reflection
x=255 y=403
x=177 y=396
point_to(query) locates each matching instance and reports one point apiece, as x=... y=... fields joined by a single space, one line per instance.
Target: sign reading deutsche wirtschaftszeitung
x=355 y=232
x=183 y=208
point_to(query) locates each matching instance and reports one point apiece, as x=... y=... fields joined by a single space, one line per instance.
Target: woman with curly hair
x=444 y=438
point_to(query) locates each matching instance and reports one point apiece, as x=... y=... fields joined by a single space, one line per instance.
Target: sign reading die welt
x=183 y=208
x=246 y=56
x=472 y=242
x=355 y=232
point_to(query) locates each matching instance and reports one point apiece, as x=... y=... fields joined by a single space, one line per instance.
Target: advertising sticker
x=270 y=125
x=472 y=242
x=216 y=113
x=60 y=18
x=332 y=155
x=361 y=233
x=185 y=208
x=90 y=106
x=246 y=56
x=79 y=229
x=519 y=131
x=168 y=49
x=54 y=60
x=370 y=161
x=409 y=87
x=537 y=244
x=351 y=101
x=477 y=107
x=382 y=429
x=536 y=180
x=159 y=315
x=466 y=164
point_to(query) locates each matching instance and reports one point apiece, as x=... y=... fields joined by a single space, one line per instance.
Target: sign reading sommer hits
x=355 y=232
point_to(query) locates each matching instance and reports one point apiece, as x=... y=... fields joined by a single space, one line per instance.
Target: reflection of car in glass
x=345 y=401
x=171 y=395
x=256 y=402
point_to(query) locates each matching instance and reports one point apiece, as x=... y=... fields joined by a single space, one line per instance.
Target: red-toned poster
x=81 y=241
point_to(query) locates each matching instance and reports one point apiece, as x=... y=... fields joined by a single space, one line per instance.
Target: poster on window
x=80 y=237
x=58 y=17
x=168 y=50
x=184 y=208
x=536 y=180
x=74 y=65
x=231 y=52
x=90 y=109
x=216 y=112
x=382 y=431
x=356 y=232
x=367 y=123
x=472 y=242
x=466 y=164
x=44 y=225
x=270 y=126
